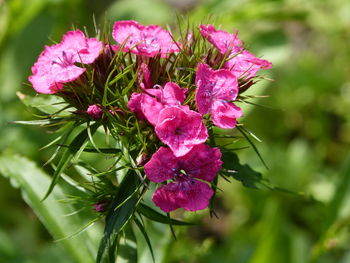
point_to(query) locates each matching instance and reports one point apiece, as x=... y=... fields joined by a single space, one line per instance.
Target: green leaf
x=152 y=214
x=45 y=103
x=127 y=246
x=32 y=181
x=243 y=132
x=243 y=173
x=40 y=122
x=145 y=235
x=118 y=217
x=93 y=150
x=76 y=146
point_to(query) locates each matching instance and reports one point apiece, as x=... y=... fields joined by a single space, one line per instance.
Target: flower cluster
x=164 y=95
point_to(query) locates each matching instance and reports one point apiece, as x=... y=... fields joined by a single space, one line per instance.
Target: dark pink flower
x=56 y=64
x=181 y=129
x=246 y=65
x=144 y=40
x=223 y=41
x=94 y=111
x=216 y=89
x=148 y=105
x=243 y=64
x=202 y=163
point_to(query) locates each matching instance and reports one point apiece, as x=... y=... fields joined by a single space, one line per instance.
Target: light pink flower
x=56 y=64
x=144 y=40
x=202 y=163
x=243 y=64
x=216 y=89
x=181 y=129
x=94 y=111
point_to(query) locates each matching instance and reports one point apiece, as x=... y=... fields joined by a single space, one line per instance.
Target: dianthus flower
x=216 y=89
x=56 y=64
x=181 y=129
x=188 y=172
x=148 y=41
x=242 y=63
x=147 y=105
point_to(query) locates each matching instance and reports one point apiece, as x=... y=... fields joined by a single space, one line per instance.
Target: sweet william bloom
x=181 y=129
x=56 y=64
x=148 y=41
x=216 y=89
x=246 y=65
x=242 y=63
x=223 y=41
x=94 y=111
x=148 y=105
x=202 y=163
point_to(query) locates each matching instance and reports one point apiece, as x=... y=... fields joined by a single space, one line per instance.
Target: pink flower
x=202 y=163
x=246 y=65
x=243 y=64
x=94 y=111
x=142 y=40
x=181 y=129
x=216 y=89
x=56 y=64
x=148 y=105
x=223 y=41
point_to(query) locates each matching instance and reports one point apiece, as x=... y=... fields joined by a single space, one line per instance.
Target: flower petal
x=162 y=166
x=246 y=65
x=191 y=195
x=144 y=40
x=202 y=162
x=180 y=129
x=224 y=114
x=223 y=41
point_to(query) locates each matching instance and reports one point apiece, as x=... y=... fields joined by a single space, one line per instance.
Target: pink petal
x=173 y=94
x=134 y=105
x=165 y=198
x=246 y=65
x=223 y=41
x=151 y=108
x=214 y=85
x=180 y=129
x=191 y=195
x=127 y=33
x=202 y=162
x=94 y=111
x=144 y=40
x=92 y=51
x=224 y=114
x=162 y=165
x=45 y=84
x=66 y=74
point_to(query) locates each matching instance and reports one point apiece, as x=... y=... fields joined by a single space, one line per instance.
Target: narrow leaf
x=76 y=146
x=152 y=214
x=117 y=217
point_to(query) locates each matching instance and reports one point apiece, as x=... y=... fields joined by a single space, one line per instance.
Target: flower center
x=64 y=61
x=178 y=131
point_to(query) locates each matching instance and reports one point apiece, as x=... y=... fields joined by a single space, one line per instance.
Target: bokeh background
x=304 y=128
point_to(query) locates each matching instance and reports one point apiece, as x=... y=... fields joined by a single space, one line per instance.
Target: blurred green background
x=304 y=128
